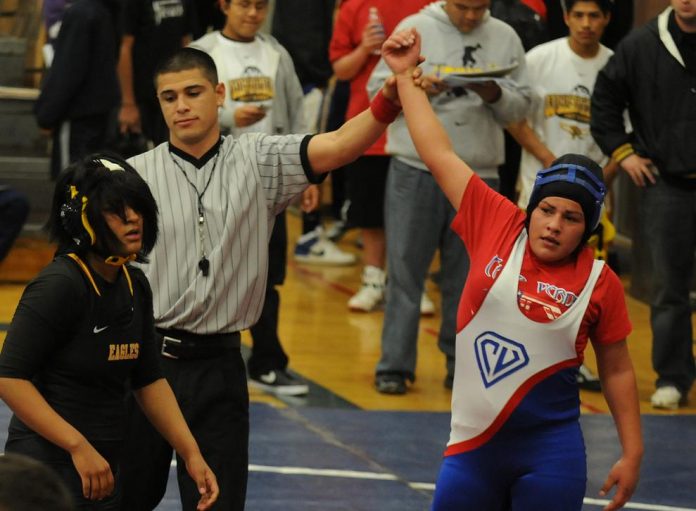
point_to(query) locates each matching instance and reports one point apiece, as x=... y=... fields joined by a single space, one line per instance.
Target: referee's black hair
x=106 y=190
x=184 y=59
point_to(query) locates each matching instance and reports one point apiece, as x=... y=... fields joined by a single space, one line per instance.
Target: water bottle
x=373 y=20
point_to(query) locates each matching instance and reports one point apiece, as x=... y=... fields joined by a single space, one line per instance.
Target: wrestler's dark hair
x=184 y=59
x=29 y=485
x=604 y=5
x=106 y=183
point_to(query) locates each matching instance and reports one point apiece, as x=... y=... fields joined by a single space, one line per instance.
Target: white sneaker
x=371 y=294
x=315 y=248
x=427 y=307
x=667 y=398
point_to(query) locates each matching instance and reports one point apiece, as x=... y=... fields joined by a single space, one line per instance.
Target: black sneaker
x=280 y=382
x=587 y=380
x=449 y=381
x=390 y=384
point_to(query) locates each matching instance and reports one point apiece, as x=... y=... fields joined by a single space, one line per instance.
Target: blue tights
x=533 y=470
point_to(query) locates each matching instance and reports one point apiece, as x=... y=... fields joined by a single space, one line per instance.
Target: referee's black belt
x=178 y=344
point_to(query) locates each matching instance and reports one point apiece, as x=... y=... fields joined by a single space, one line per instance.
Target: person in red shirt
x=533 y=298
x=360 y=29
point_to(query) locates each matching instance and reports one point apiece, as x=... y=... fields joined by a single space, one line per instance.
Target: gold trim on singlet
x=85 y=270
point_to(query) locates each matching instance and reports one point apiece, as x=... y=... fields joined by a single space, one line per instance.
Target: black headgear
x=575 y=177
x=73 y=212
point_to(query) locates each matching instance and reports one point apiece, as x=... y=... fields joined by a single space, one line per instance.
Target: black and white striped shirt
x=253 y=178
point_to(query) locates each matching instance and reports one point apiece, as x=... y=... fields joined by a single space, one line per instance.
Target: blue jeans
x=669 y=219
x=417 y=223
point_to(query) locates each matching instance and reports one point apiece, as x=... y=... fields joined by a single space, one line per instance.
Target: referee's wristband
x=383 y=110
x=622 y=152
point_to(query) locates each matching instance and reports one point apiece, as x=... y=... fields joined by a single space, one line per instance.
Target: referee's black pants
x=214 y=399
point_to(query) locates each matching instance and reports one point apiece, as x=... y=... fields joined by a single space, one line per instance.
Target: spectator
x=562 y=74
x=360 y=29
x=456 y=33
x=152 y=29
x=652 y=75
x=304 y=28
x=81 y=87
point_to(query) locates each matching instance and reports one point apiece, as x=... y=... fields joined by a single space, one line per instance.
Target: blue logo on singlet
x=498 y=357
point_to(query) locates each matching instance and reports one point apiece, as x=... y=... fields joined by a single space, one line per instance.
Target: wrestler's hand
x=94 y=471
x=640 y=170
x=402 y=50
x=248 y=114
x=206 y=482
x=624 y=475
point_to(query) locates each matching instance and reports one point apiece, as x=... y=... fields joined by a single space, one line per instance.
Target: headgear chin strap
x=113 y=260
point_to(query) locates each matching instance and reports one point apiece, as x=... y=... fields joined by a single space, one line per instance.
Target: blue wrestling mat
x=306 y=459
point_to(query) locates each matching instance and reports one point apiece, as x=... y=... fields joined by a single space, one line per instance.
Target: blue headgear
x=573 y=177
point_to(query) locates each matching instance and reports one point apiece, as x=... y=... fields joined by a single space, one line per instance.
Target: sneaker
x=280 y=382
x=427 y=307
x=394 y=384
x=587 y=380
x=449 y=381
x=370 y=296
x=336 y=230
x=668 y=398
x=315 y=248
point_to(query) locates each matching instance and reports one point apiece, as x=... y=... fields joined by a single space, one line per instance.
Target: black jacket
x=82 y=80
x=647 y=76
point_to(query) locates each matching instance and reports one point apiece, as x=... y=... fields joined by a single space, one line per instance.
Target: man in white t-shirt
x=562 y=74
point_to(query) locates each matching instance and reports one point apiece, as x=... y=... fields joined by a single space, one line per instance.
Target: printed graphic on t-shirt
x=252 y=86
x=128 y=351
x=165 y=9
x=574 y=106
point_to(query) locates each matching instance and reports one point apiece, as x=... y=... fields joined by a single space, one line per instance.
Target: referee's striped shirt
x=253 y=178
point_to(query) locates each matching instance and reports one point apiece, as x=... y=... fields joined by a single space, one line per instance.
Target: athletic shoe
x=336 y=230
x=449 y=381
x=587 y=380
x=315 y=248
x=427 y=307
x=370 y=296
x=394 y=384
x=668 y=398
x=280 y=382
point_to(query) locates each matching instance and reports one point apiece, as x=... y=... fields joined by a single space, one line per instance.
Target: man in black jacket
x=81 y=87
x=653 y=74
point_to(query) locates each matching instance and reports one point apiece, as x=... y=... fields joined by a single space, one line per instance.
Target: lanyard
x=203 y=262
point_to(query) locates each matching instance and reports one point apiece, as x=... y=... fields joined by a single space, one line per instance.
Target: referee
x=218 y=197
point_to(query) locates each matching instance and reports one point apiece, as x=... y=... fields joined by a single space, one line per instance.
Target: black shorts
x=367 y=180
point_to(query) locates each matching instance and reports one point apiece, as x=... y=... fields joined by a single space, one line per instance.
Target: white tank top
x=501 y=354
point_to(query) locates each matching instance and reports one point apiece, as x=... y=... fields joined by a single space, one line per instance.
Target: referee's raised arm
x=334 y=149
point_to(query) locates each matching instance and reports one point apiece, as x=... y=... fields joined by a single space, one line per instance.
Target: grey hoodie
x=474 y=126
